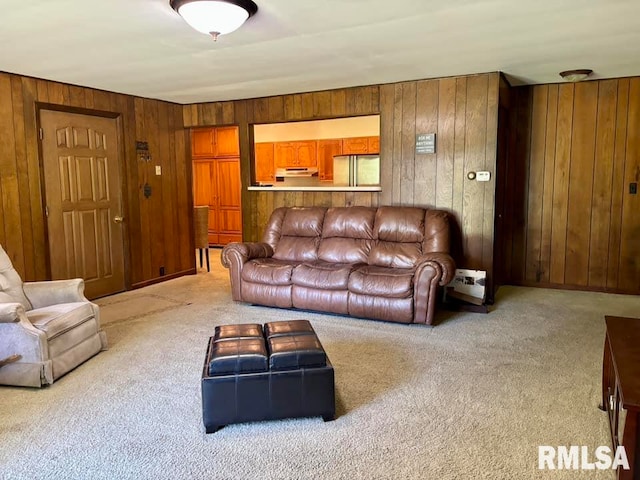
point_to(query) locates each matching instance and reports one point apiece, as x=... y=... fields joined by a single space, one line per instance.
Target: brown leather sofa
x=383 y=263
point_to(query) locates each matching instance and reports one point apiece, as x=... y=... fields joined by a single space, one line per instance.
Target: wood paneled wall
x=158 y=228
x=572 y=222
x=462 y=111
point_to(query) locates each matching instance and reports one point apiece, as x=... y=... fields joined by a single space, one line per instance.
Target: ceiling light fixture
x=576 y=75
x=215 y=17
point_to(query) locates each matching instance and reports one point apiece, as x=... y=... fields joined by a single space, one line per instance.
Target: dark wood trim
x=563 y=286
x=122 y=164
x=146 y=283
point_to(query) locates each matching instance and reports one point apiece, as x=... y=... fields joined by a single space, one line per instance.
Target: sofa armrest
x=243 y=252
x=43 y=294
x=235 y=255
x=443 y=262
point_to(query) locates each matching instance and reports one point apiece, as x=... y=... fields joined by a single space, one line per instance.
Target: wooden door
x=265 y=166
x=227 y=198
x=227 y=142
x=204 y=188
x=81 y=161
x=326 y=151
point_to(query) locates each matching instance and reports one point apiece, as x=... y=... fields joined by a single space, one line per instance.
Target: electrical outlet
x=633 y=188
x=158 y=170
x=161 y=271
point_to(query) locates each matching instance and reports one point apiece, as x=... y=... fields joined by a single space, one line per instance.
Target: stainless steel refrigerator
x=356 y=170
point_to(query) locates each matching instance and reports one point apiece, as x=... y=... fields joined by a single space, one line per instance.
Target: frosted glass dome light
x=215 y=17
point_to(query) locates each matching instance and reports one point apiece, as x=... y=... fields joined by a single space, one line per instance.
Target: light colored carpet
x=469 y=399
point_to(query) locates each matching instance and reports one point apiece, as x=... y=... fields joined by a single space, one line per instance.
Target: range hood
x=296 y=172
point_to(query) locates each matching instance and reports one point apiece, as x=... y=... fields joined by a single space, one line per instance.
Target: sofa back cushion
x=347 y=235
x=436 y=232
x=296 y=233
x=400 y=233
x=11 y=283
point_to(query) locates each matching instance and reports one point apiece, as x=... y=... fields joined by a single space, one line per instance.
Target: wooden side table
x=621 y=389
x=10 y=359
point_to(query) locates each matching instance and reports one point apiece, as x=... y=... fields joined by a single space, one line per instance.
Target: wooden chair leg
x=200 y=257
x=208 y=269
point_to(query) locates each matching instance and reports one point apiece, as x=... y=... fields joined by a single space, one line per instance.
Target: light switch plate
x=483 y=176
x=158 y=170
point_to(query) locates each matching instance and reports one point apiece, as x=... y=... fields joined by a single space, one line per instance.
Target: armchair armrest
x=10 y=312
x=42 y=294
x=19 y=336
x=443 y=263
x=243 y=252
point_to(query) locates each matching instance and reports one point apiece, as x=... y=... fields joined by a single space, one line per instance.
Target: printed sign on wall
x=426 y=143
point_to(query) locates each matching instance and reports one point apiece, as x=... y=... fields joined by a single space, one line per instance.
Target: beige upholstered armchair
x=46 y=328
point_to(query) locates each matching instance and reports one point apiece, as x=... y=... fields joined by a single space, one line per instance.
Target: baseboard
x=146 y=283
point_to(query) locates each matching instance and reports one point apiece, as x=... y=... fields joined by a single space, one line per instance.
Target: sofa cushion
x=323 y=275
x=303 y=222
x=395 y=255
x=382 y=281
x=349 y=222
x=268 y=270
x=347 y=235
x=297 y=249
x=400 y=232
x=57 y=319
x=399 y=224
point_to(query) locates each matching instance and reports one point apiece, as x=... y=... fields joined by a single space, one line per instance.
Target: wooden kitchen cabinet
x=373 y=144
x=216 y=181
x=326 y=151
x=215 y=142
x=265 y=162
x=360 y=145
x=295 y=154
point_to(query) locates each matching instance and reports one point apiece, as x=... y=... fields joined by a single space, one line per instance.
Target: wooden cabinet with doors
x=217 y=183
x=215 y=142
x=295 y=154
x=265 y=166
x=326 y=151
x=373 y=144
x=360 y=145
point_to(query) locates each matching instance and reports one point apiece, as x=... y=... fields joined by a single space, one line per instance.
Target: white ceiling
x=142 y=47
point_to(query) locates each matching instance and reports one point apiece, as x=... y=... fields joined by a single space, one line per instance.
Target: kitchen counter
x=313 y=188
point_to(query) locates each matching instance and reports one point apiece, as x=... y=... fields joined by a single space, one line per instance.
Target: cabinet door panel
x=203 y=182
x=265 y=164
x=373 y=145
x=202 y=142
x=230 y=221
x=326 y=150
x=285 y=154
x=355 y=145
x=227 y=142
x=213 y=225
x=229 y=213
x=306 y=153
x=228 y=174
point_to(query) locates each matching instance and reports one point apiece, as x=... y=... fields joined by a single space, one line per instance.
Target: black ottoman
x=253 y=374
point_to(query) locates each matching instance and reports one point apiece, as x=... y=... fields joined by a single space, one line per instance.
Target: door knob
x=118 y=219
